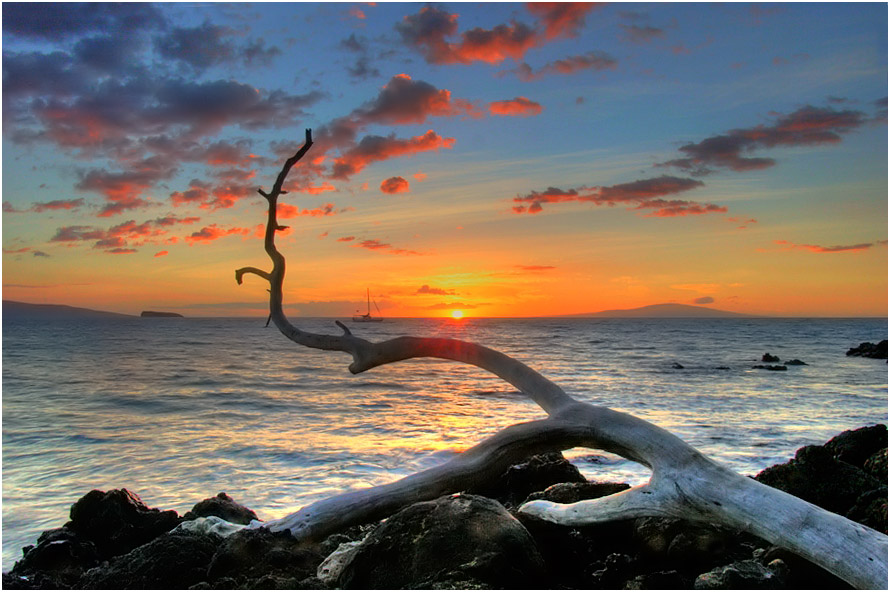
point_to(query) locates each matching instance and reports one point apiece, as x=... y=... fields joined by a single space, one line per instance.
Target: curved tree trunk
x=684 y=483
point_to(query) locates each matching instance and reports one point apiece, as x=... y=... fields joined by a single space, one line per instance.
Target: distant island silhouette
x=15 y=310
x=666 y=311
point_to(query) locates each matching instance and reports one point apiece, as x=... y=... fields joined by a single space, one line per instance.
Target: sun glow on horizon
x=457 y=314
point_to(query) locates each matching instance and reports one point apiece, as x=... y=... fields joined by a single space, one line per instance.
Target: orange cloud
x=820 y=249
x=378 y=148
x=519 y=106
x=212 y=233
x=394 y=185
x=429 y=29
x=161 y=253
x=561 y=19
x=289 y=211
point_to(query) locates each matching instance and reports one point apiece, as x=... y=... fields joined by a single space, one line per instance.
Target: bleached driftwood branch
x=684 y=483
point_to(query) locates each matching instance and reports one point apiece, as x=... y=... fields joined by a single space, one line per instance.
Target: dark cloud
x=592 y=60
x=704 y=300
x=429 y=29
x=56 y=204
x=805 y=127
x=644 y=194
x=56 y=21
x=641 y=33
x=200 y=47
x=208 y=45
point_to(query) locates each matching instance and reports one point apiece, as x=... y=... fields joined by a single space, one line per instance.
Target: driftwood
x=684 y=483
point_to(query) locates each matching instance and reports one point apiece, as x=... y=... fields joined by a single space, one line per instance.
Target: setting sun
x=457 y=314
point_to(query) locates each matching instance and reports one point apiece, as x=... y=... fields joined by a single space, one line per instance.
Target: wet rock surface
x=451 y=539
x=466 y=541
x=870 y=350
x=224 y=507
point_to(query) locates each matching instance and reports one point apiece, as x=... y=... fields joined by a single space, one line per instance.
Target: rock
x=769 y=367
x=857 y=446
x=816 y=476
x=801 y=574
x=250 y=555
x=616 y=569
x=118 y=521
x=223 y=506
x=569 y=493
x=57 y=561
x=871 y=509
x=677 y=366
x=687 y=545
x=535 y=474
x=659 y=580
x=796 y=362
x=453 y=538
x=870 y=350
x=172 y=561
x=876 y=465
x=741 y=575
x=769 y=358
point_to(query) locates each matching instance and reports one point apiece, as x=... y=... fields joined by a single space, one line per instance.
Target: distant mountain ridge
x=17 y=310
x=666 y=311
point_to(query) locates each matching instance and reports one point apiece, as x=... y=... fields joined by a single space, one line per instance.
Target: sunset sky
x=500 y=159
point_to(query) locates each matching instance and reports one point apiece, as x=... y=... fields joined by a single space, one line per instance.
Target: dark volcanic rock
x=118 y=521
x=660 y=580
x=870 y=350
x=224 y=507
x=769 y=358
x=172 y=561
x=857 y=446
x=251 y=555
x=535 y=474
x=876 y=465
x=816 y=476
x=871 y=509
x=569 y=493
x=454 y=538
x=796 y=362
x=685 y=545
x=769 y=367
x=57 y=561
x=802 y=574
x=742 y=575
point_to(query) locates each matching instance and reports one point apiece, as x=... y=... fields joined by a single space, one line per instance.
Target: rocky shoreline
x=471 y=540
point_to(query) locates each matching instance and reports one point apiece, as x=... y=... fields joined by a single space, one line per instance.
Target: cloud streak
x=807 y=126
x=644 y=194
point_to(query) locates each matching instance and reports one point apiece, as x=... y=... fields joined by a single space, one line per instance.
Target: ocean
x=179 y=409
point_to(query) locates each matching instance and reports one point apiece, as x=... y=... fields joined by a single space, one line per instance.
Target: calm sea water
x=180 y=409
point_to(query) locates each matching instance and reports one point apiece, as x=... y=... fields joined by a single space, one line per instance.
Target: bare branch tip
x=346 y=330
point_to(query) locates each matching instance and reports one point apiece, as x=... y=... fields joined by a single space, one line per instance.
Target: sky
x=499 y=159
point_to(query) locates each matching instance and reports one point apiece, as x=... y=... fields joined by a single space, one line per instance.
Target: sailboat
x=367 y=318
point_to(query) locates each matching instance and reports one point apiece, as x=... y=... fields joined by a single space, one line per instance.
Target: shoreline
x=115 y=540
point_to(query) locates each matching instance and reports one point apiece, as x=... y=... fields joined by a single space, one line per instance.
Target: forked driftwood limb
x=684 y=483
